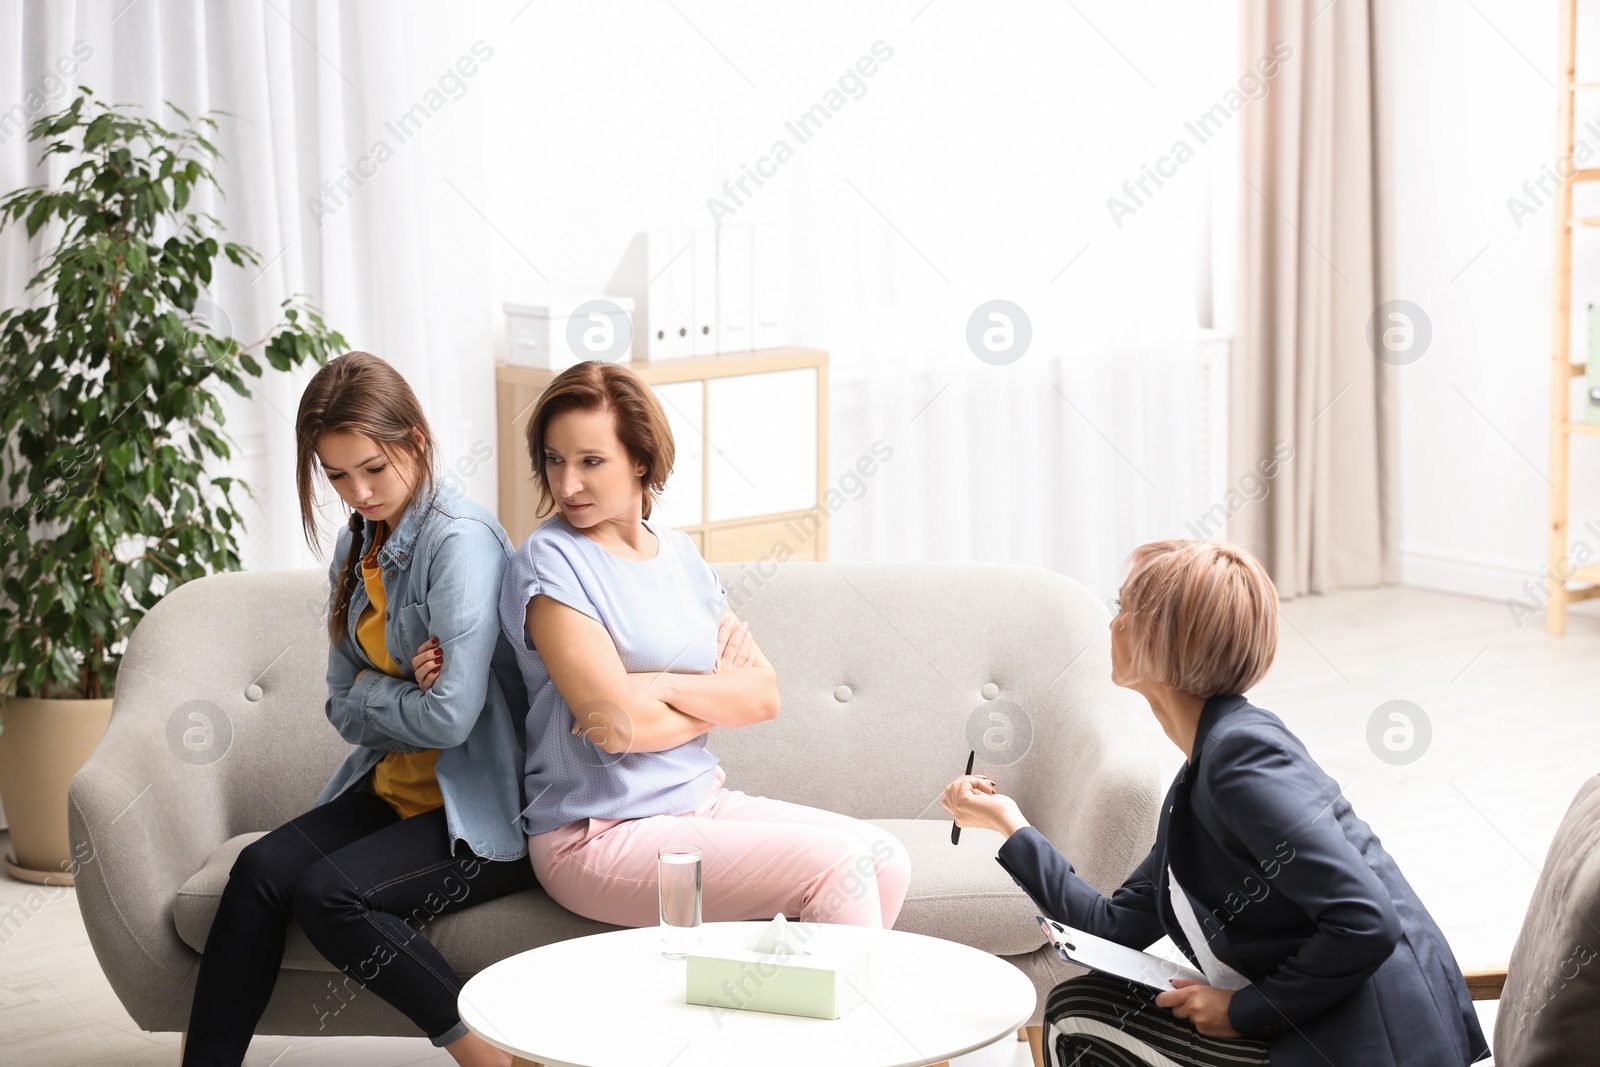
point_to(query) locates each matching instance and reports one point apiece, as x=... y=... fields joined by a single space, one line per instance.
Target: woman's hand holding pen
x=974 y=800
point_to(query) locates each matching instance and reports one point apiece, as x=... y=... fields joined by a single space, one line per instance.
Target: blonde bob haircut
x=1201 y=617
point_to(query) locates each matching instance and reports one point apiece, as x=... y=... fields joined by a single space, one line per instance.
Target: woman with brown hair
x=631 y=659
x=421 y=681
x=1315 y=949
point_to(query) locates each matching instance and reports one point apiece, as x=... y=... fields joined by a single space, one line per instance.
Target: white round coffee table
x=612 y=1000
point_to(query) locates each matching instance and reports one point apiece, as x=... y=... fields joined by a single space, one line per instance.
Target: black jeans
x=360 y=881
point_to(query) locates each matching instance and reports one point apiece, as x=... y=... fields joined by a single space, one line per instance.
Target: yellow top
x=405 y=779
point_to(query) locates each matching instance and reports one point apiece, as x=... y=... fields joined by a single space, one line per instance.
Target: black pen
x=955 y=830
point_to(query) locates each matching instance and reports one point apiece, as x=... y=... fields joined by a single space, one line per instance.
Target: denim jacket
x=442 y=566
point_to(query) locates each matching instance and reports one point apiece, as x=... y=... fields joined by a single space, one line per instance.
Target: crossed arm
x=621 y=712
x=402 y=714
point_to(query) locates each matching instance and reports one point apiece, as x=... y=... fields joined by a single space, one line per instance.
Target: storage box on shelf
x=751 y=431
x=563 y=330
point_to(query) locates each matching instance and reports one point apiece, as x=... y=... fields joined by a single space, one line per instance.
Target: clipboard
x=1108 y=957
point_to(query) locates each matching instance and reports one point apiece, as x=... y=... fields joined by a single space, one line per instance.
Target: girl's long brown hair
x=357 y=393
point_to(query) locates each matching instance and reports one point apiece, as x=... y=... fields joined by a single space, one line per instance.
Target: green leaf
x=110 y=391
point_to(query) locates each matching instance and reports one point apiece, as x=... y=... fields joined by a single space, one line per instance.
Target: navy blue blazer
x=1293 y=891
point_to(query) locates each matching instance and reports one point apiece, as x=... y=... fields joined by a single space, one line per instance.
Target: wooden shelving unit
x=1585 y=581
x=798 y=532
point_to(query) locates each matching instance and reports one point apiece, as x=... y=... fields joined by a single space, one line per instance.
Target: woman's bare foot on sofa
x=470 y=1050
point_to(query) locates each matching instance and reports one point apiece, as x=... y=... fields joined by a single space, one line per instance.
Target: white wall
x=976 y=165
x=989 y=141
x=1473 y=118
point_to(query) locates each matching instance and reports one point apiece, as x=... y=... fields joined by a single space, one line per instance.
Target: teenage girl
x=421 y=818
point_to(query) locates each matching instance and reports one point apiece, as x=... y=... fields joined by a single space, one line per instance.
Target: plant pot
x=43 y=743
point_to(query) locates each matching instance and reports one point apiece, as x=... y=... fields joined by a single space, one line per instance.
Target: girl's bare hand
x=426 y=663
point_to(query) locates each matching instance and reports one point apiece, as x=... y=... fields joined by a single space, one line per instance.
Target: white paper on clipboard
x=1108 y=957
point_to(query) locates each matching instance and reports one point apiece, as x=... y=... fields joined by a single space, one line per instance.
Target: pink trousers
x=758 y=857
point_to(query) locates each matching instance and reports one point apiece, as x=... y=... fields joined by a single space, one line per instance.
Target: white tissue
x=776 y=937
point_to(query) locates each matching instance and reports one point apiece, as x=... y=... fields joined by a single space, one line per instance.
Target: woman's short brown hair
x=1202 y=616
x=641 y=424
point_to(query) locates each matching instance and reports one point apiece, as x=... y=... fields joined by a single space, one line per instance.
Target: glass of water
x=678 y=871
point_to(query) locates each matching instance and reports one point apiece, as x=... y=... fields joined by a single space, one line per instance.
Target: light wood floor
x=1514 y=734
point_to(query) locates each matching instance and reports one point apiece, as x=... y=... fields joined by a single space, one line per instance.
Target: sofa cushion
x=470 y=939
x=958 y=893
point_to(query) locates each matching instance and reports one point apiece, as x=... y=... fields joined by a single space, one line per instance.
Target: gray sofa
x=217 y=735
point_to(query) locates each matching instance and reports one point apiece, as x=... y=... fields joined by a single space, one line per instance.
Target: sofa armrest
x=139 y=828
x=150 y=805
x=1091 y=781
x=1101 y=814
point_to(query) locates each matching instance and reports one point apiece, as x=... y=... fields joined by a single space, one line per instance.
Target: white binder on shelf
x=670 y=295
x=658 y=294
x=734 y=320
x=769 y=285
x=704 y=336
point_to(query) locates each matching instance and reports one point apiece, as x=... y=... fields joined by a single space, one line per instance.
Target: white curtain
x=989 y=172
x=393 y=258
x=984 y=161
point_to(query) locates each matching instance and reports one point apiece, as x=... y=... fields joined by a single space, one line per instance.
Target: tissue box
x=829 y=979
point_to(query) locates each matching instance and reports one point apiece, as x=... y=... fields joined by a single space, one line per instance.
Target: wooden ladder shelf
x=1585 y=579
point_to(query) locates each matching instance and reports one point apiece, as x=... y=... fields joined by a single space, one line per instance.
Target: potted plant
x=109 y=418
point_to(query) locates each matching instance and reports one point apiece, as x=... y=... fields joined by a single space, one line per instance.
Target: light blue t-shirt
x=662 y=614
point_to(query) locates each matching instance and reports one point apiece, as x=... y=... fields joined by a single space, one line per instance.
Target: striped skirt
x=1096 y=1020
